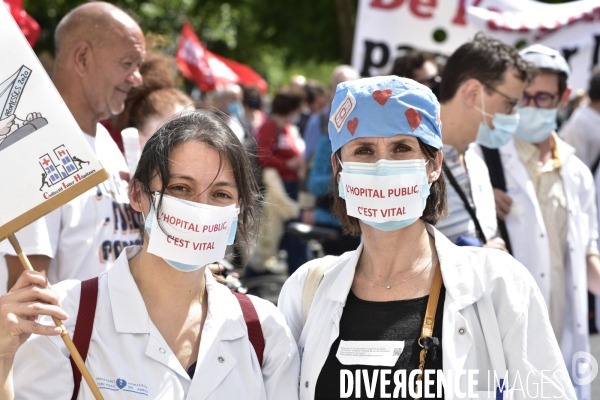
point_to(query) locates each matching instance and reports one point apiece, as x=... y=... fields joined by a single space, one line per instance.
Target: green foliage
x=278 y=38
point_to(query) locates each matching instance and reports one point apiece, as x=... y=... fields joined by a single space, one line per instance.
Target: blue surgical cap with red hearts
x=384 y=106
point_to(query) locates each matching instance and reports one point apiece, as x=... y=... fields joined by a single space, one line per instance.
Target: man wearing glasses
x=549 y=206
x=482 y=82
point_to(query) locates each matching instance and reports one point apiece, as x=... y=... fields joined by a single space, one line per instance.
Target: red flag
x=209 y=70
x=28 y=25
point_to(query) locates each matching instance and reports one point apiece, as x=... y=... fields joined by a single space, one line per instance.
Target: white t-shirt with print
x=85 y=236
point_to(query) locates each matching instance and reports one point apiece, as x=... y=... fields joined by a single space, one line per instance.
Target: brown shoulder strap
x=429 y=321
x=84 y=326
x=255 y=332
x=434 y=297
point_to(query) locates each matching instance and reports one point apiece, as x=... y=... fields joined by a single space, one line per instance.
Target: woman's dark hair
x=435 y=207
x=312 y=90
x=205 y=127
x=286 y=101
x=405 y=65
x=484 y=59
x=252 y=97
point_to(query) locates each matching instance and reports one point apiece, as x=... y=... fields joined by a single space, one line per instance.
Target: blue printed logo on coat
x=121 y=384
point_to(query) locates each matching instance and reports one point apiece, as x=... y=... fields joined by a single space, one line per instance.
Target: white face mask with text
x=189 y=235
x=387 y=195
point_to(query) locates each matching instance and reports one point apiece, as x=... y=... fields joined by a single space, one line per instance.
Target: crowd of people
x=462 y=220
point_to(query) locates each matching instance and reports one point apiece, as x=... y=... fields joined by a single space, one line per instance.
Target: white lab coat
x=486 y=291
x=126 y=346
x=530 y=246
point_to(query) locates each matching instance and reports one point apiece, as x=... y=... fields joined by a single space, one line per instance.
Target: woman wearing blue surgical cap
x=409 y=314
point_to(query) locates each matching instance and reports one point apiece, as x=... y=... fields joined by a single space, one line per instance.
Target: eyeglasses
x=540 y=99
x=511 y=102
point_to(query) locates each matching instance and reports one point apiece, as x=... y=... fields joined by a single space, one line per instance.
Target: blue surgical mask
x=175 y=264
x=505 y=126
x=409 y=169
x=536 y=124
x=236 y=108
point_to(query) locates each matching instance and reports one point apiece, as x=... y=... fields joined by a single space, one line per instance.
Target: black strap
x=496 y=171
x=463 y=197
x=595 y=165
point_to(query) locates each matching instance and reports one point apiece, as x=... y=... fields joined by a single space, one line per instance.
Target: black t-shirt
x=371 y=321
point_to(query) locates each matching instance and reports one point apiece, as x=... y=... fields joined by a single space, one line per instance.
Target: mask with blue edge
x=389 y=168
x=537 y=124
x=505 y=126
x=175 y=264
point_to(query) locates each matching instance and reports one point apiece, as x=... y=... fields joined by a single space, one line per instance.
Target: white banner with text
x=385 y=29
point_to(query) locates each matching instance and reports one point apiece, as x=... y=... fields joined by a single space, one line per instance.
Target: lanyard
x=429 y=321
x=463 y=197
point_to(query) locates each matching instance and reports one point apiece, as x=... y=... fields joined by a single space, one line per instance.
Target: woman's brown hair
x=156 y=93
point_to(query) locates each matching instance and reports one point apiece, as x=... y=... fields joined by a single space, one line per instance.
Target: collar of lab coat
x=509 y=151
x=565 y=150
x=131 y=316
x=461 y=276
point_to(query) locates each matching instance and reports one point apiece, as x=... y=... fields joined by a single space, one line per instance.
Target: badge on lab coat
x=376 y=353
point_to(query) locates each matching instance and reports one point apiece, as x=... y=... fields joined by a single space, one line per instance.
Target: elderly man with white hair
x=99 y=49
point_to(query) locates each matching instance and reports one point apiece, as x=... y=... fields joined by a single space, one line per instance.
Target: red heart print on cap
x=382 y=96
x=414 y=118
x=352 y=124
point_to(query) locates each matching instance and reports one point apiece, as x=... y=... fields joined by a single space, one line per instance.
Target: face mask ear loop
x=341 y=164
x=427 y=162
x=483 y=113
x=144 y=217
x=482 y=110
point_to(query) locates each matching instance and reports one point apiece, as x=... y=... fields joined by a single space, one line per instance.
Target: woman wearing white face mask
x=163 y=328
x=408 y=300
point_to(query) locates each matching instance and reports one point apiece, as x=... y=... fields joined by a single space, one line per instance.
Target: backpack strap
x=496 y=171
x=313 y=279
x=84 y=326
x=255 y=332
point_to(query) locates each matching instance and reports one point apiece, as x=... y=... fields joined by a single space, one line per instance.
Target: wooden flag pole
x=64 y=334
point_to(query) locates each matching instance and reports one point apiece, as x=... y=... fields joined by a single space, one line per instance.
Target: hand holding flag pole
x=64 y=334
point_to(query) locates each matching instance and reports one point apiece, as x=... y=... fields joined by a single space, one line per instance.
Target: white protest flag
x=45 y=161
x=385 y=29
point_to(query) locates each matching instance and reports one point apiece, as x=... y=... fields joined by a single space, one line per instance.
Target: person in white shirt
x=582 y=130
x=482 y=82
x=163 y=327
x=99 y=49
x=549 y=207
x=408 y=303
